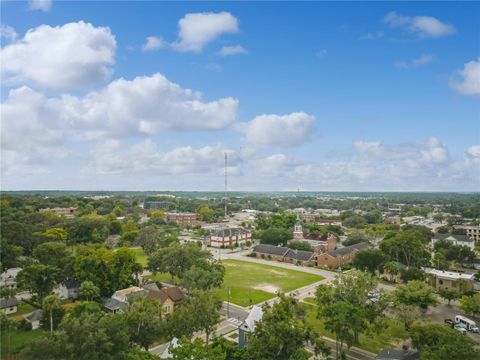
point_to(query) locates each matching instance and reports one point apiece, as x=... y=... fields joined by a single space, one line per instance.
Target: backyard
x=251 y=283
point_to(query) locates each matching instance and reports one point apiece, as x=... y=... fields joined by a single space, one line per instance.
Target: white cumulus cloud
x=466 y=81
x=62 y=57
x=153 y=43
x=198 y=29
x=232 y=50
x=42 y=5
x=422 y=26
x=279 y=130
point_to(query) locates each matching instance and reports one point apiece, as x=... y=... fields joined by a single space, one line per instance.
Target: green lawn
x=251 y=283
x=22 y=308
x=15 y=341
x=370 y=341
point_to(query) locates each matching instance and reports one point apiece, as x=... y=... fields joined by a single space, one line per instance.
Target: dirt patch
x=267 y=288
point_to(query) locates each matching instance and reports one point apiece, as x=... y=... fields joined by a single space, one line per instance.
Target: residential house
x=459 y=240
x=229 y=236
x=8 y=279
x=168 y=297
x=340 y=257
x=67 y=290
x=248 y=326
x=440 y=279
x=34 y=318
x=393 y=354
x=299 y=257
x=272 y=252
x=9 y=305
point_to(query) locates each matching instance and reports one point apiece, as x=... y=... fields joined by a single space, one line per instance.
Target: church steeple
x=298 y=229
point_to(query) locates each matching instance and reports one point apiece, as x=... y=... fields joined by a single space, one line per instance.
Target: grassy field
x=251 y=283
x=371 y=341
x=15 y=341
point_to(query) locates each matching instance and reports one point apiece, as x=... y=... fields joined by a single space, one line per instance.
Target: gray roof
x=151 y=286
x=462 y=238
x=35 y=315
x=71 y=284
x=271 y=250
x=254 y=316
x=392 y=354
x=348 y=249
x=6 y=303
x=113 y=304
x=300 y=255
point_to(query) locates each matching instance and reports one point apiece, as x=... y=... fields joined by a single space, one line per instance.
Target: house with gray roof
x=459 y=240
x=34 y=318
x=248 y=326
x=9 y=305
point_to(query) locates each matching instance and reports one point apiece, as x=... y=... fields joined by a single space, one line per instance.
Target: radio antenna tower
x=225 y=197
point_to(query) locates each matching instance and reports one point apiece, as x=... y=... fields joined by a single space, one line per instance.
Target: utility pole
x=225 y=195
x=228 y=303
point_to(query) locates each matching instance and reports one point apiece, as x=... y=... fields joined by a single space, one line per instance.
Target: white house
x=67 y=290
x=248 y=326
x=34 y=318
x=9 y=278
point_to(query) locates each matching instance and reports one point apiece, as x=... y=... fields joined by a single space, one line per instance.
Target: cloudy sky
x=322 y=96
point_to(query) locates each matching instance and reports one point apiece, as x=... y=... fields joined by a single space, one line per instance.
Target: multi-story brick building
x=229 y=236
x=473 y=232
x=182 y=218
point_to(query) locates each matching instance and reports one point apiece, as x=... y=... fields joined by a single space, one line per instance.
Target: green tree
x=205 y=309
x=57 y=255
x=283 y=333
x=448 y=294
x=470 y=304
x=406 y=247
x=91 y=336
x=205 y=213
x=153 y=237
x=144 y=322
x=300 y=245
x=196 y=350
x=415 y=293
x=406 y=314
x=10 y=254
x=7 y=326
x=392 y=268
x=371 y=260
x=50 y=304
x=354 y=289
x=438 y=342
x=56 y=234
x=39 y=279
x=88 y=291
x=275 y=236
x=177 y=259
x=204 y=277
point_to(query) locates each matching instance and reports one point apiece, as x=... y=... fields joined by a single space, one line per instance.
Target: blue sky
x=327 y=96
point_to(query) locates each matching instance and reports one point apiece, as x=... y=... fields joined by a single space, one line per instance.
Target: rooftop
x=449 y=275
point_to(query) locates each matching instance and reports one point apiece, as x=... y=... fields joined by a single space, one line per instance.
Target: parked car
x=460 y=328
x=449 y=322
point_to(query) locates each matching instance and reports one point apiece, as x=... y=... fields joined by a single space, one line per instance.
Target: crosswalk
x=235 y=321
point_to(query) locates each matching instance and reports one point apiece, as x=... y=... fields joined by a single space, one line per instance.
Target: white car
x=474 y=329
x=460 y=328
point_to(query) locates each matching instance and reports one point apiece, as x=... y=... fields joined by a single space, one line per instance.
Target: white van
x=470 y=325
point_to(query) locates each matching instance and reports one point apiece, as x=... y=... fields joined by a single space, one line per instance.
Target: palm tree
x=50 y=304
